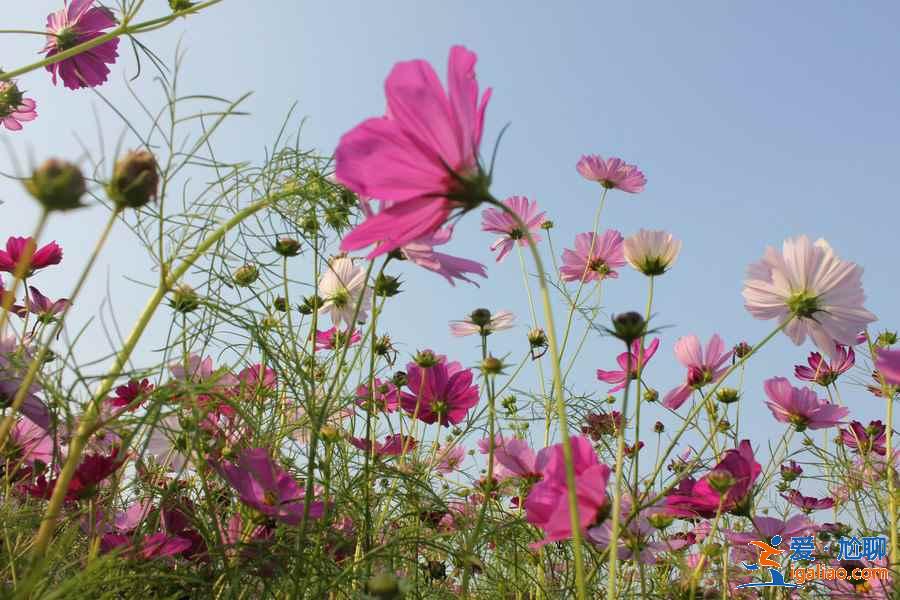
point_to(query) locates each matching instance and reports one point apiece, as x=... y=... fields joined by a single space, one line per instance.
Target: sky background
x=753 y=121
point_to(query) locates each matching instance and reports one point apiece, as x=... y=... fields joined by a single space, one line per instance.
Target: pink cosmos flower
x=801 y=407
x=262 y=484
x=477 y=324
x=888 y=364
x=12 y=372
x=45 y=256
x=32 y=442
x=765 y=528
x=450 y=458
x=702 y=369
x=15 y=109
x=386 y=397
x=823 y=372
x=256 y=377
x=809 y=281
x=132 y=394
x=865 y=439
x=393 y=445
x=547 y=504
x=421 y=158
x=40 y=305
x=638 y=360
x=636 y=537
x=807 y=503
x=90 y=472
x=734 y=475
x=499 y=221
x=75 y=24
x=594 y=258
x=441 y=393
x=512 y=458
x=197 y=369
x=612 y=173
x=332 y=339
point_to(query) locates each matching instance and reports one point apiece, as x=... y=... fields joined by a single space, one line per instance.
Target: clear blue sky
x=753 y=121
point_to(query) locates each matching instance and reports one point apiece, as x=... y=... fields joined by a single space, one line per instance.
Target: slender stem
x=887 y=392
x=617 y=491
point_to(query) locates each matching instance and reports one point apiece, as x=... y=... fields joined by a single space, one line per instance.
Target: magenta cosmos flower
x=808 y=503
x=595 y=257
x=703 y=368
x=729 y=482
x=511 y=233
x=823 y=372
x=75 y=24
x=888 y=364
x=386 y=397
x=822 y=292
x=262 y=484
x=512 y=458
x=15 y=108
x=547 y=504
x=40 y=305
x=449 y=458
x=801 y=407
x=420 y=159
x=333 y=339
x=442 y=393
x=393 y=445
x=865 y=439
x=612 y=173
x=17 y=249
x=638 y=358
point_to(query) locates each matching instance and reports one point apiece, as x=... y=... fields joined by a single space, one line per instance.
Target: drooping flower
x=823 y=372
x=421 y=158
x=730 y=483
x=76 y=23
x=16 y=250
x=638 y=361
x=440 y=393
x=512 y=458
x=703 y=368
x=791 y=470
x=40 y=305
x=333 y=339
x=612 y=173
x=344 y=292
x=652 y=252
x=499 y=221
x=385 y=398
x=481 y=322
x=888 y=364
x=595 y=257
x=262 y=484
x=393 y=445
x=807 y=503
x=547 y=504
x=865 y=439
x=822 y=292
x=801 y=407
x=15 y=108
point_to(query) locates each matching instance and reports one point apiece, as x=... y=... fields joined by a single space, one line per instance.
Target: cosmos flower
x=652 y=252
x=15 y=108
x=343 y=288
x=594 y=258
x=421 y=158
x=332 y=339
x=482 y=322
x=386 y=397
x=257 y=377
x=703 y=369
x=262 y=484
x=132 y=394
x=90 y=472
x=638 y=361
x=822 y=292
x=801 y=407
x=74 y=24
x=547 y=504
x=12 y=374
x=499 y=221
x=823 y=372
x=765 y=528
x=612 y=173
x=807 y=503
x=865 y=439
x=421 y=252
x=636 y=537
x=888 y=364
x=450 y=458
x=512 y=458
x=393 y=445
x=16 y=250
x=440 y=393
x=40 y=305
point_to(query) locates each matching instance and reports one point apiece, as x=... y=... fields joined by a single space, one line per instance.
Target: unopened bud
x=135 y=180
x=629 y=326
x=742 y=349
x=280 y=304
x=287 y=247
x=492 y=366
x=651 y=395
x=721 y=480
x=310 y=305
x=480 y=317
x=426 y=358
x=184 y=299
x=728 y=395
x=57 y=185
x=658 y=427
x=246 y=275
x=660 y=520
x=547 y=225
x=386 y=286
x=383 y=585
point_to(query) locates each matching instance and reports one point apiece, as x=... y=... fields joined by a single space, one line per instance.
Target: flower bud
x=179 y=5
x=135 y=180
x=57 y=185
x=386 y=286
x=629 y=326
x=287 y=247
x=330 y=433
x=184 y=299
x=658 y=427
x=886 y=338
x=721 y=480
x=651 y=395
x=742 y=349
x=728 y=395
x=426 y=358
x=660 y=520
x=492 y=366
x=480 y=317
x=383 y=345
x=280 y=304
x=547 y=225
x=383 y=586
x=399 y=379
x=246 y=276
x=790 y=471
x=310 y=305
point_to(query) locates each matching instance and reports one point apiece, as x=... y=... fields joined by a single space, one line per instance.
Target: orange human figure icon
x=765 y=551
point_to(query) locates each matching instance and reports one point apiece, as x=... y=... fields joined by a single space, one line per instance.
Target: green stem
x=617 y=491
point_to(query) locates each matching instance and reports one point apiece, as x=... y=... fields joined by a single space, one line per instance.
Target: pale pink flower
x=612 y=173
x=595 y=257
x=637 y=537
x=15 y=109
x=801 y=407
x=809 y=281
x=652 y=252
x=76 y=23
x=703 y=368
x=393 y=445
x=888 y=364
x=450 y=458
x=512 y=458
x=421 y=252
x=499 y=221
x=421 y=158
x=474 y=325
x=344 y=292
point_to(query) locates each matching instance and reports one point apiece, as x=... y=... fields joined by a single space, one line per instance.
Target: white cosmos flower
x=343 y=287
